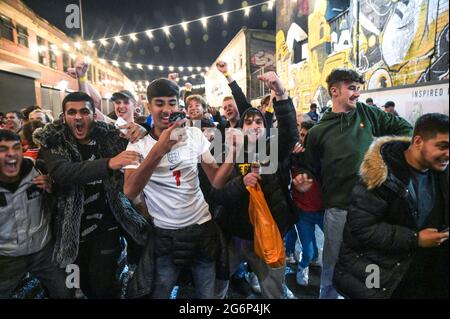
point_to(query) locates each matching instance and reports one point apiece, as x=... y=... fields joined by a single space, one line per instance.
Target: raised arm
x=236 y=91
x=285 y=113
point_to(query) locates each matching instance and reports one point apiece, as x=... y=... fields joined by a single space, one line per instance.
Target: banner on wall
x=413 y=102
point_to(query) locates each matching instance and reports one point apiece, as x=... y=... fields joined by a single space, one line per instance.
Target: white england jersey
x=173 y=195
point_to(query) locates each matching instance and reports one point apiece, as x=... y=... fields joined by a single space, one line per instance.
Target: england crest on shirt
x=173 y=157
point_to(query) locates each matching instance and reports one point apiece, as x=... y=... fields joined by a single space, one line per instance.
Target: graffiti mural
x=392 y=42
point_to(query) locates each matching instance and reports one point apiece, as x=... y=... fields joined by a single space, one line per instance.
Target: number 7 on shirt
x=177 y=175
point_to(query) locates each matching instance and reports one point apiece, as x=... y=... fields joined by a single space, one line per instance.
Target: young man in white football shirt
x=168 y=178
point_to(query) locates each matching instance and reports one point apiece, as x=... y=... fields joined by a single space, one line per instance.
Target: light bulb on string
x=184 y=25
x=204 y=21
x=166 y=30
x=133 y=37
x=225 y=17
x=118 y=40
x=149 y=34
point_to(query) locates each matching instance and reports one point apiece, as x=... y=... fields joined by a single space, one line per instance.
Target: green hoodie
x=336 y=146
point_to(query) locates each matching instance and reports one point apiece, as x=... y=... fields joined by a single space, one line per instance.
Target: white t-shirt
x=173 y=195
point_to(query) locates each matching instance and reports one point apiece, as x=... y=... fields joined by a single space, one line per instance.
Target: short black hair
x=429 y=125
x=313 y=106
x=250 y=113
x=18 y=114
x=343 y=75
x=162 y=87
x=389 y=104
x=307 y=125
x=369 y=100
x=8 y=136
x=78 y=97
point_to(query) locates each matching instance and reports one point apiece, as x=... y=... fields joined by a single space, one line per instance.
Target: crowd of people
x=85 y=189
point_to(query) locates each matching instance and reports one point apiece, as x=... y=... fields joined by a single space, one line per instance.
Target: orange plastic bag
x=268 y=243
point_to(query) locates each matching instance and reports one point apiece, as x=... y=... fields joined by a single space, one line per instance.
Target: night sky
x=108 y=18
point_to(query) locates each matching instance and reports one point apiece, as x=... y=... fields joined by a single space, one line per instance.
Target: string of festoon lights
x=119 y=39
x=141 y=85
x=151 y=67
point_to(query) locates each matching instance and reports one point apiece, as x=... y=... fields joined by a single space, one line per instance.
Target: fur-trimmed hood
x=374 y=169
x=61 y=147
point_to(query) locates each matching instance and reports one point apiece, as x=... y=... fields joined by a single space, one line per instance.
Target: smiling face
x=195 y=110
x=125 y=109
x=160 y=108
x=11 y=156
x=13 y=122
x=434 y=153
x=345 y=95
x=79 y=117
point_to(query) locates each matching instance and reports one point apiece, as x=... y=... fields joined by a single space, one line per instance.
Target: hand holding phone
x=176 y=116
x=120 y=122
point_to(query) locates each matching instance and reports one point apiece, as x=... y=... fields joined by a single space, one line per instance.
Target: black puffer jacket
x=381 y=230
x=234 y=195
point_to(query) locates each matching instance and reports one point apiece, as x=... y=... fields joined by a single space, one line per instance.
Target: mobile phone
x=176 y=116
x=120 y=122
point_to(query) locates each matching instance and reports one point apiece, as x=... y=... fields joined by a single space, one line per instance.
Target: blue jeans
x=167 y=273
x=306 y=230
x=289 y=241
x=39 y=265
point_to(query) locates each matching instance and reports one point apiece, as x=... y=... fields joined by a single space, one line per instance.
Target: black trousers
x=98 y=262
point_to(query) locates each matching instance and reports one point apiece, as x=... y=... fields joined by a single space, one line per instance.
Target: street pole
x=81 y=20
x=357 y=33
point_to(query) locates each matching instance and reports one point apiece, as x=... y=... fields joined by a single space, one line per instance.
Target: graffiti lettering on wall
x=263 y=59
x=392 y=42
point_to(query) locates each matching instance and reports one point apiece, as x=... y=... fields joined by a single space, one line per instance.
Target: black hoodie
x=234 y=195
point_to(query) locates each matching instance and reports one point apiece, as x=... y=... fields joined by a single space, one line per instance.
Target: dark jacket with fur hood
x=70 y=173
x=382 y=231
